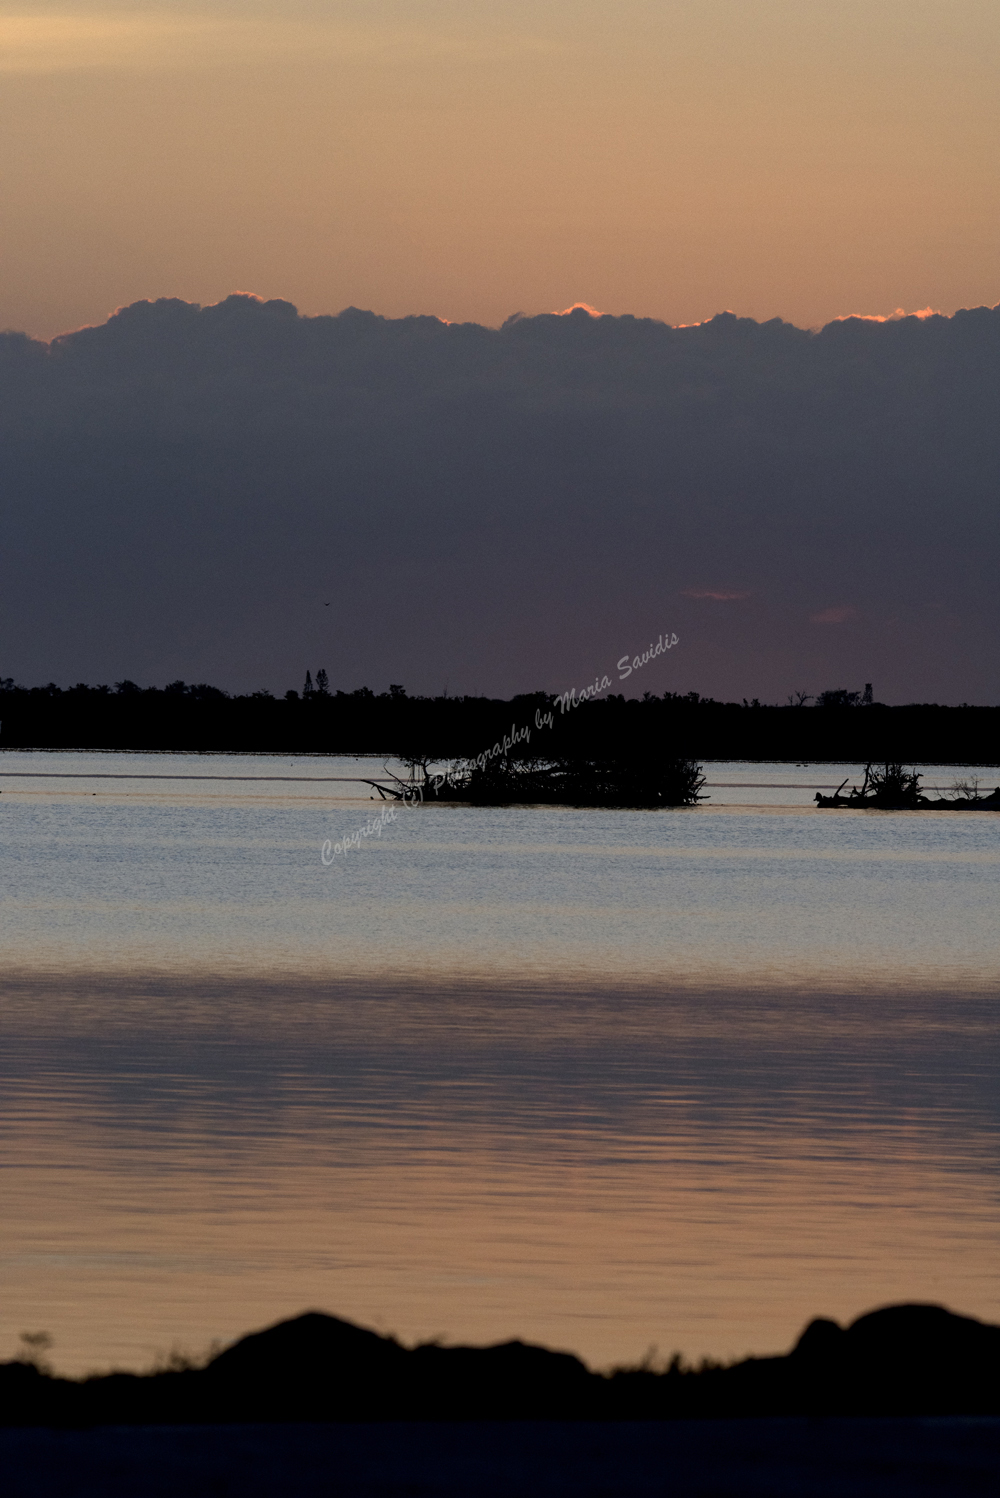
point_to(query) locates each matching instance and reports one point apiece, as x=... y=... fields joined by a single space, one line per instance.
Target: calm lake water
x=598 y=1079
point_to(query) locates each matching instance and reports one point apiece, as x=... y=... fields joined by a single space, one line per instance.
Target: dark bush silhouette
x=901 y=1360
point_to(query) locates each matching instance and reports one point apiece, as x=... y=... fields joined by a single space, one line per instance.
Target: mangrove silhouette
x=622 y=782
x=892 y=788
x=913 y=1360
x=200 y=717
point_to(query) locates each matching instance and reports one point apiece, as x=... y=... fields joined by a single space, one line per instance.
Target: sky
x=665 y=158
x=203 y=482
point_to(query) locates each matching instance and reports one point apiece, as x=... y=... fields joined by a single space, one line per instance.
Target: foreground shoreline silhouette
x=901 y=1360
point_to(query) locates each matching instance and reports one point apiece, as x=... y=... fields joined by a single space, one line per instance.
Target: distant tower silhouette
x=866 y=700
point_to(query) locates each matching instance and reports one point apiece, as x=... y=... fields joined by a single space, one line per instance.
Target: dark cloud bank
x=236 y=493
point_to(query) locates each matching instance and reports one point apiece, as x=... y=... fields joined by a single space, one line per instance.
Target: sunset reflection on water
x=608 y=1154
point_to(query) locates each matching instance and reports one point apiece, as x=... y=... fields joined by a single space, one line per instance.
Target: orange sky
x=801 y=158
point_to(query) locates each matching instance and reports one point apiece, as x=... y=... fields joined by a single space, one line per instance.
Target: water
x=599 y=1079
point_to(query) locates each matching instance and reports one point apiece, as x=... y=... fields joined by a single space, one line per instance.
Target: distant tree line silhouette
x=200 y=717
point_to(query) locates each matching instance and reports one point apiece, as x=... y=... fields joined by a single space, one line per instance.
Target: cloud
x=896 y=316
x=728 y=312
x=48 y=43
x=186 y=488
x=72 y=40
x=579 y=307
x=837 y=615
x=709 y=593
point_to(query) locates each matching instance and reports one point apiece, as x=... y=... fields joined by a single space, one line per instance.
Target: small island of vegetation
x=890 y=787
x=568 y=781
